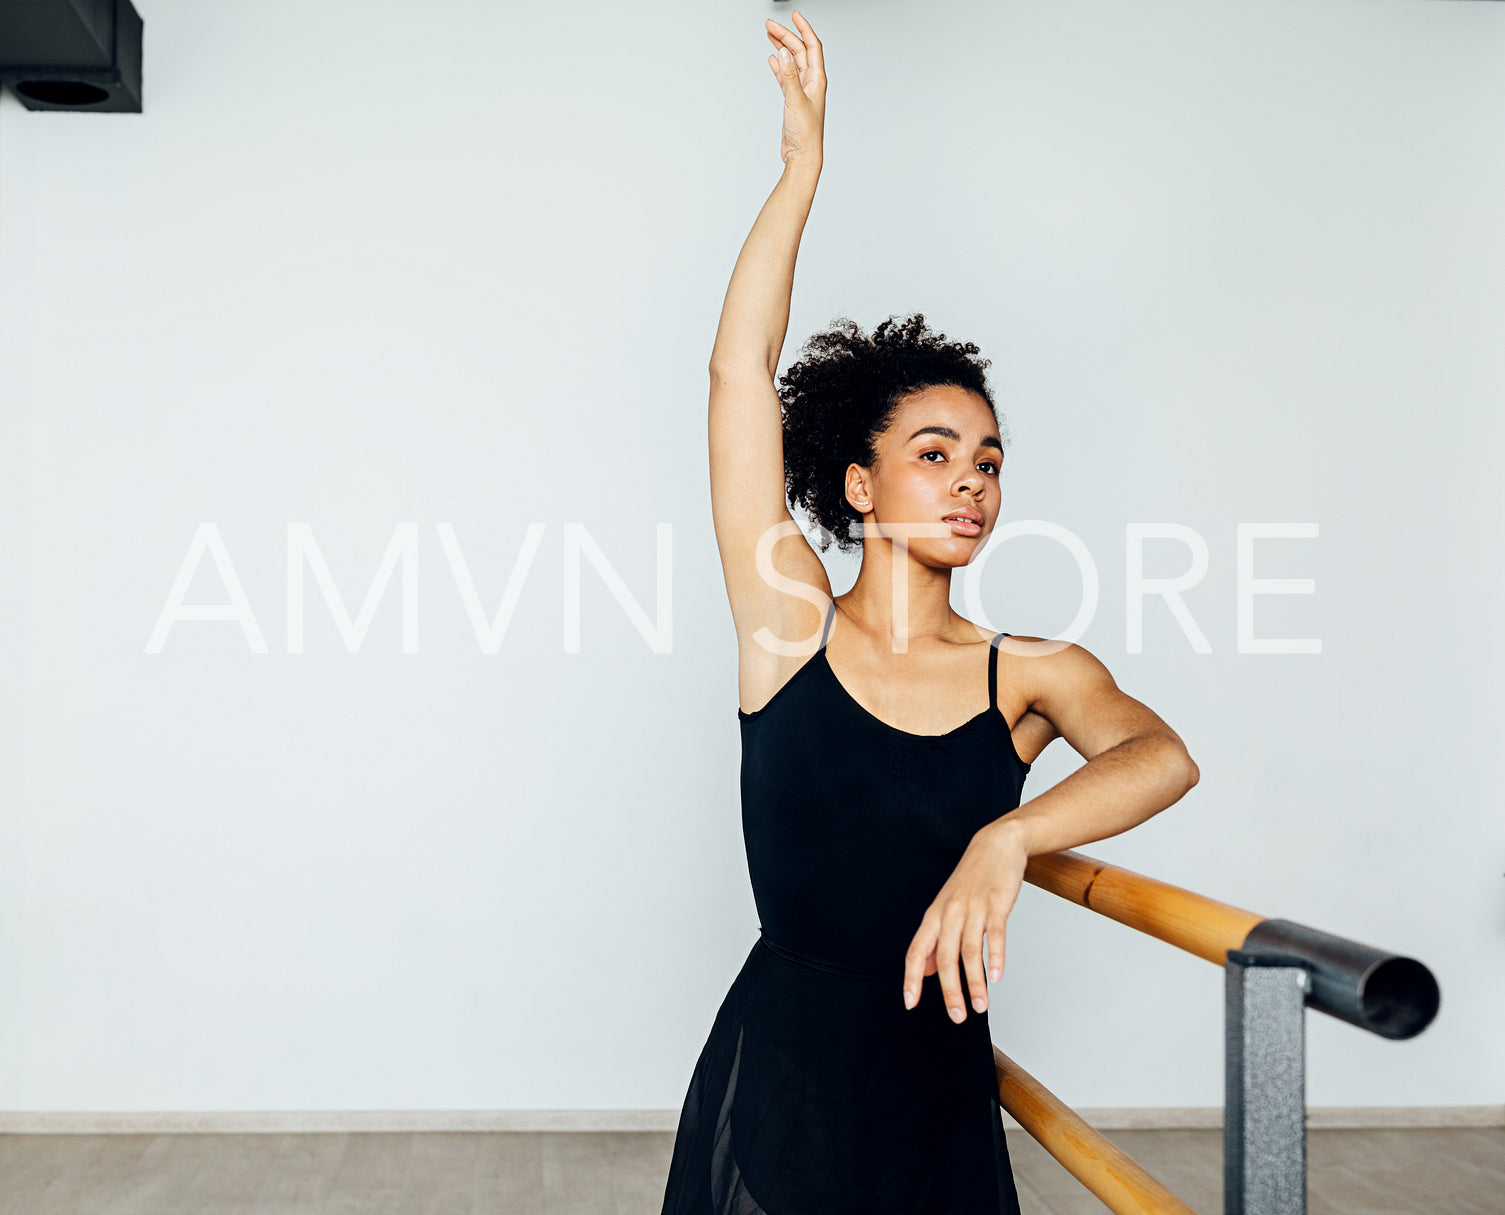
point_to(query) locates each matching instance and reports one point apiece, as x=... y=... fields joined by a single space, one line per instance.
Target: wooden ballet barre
x=1273 y=971
x=1386 y=993
x=1189 y=921
x=1113 y=1177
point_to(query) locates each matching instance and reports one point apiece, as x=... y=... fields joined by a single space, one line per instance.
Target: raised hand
x=976 y=899
x=799 y=65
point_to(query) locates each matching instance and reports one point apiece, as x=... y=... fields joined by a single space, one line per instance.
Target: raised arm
x=745 y=421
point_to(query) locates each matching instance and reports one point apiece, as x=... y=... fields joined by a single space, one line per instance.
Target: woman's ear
x=857 y=488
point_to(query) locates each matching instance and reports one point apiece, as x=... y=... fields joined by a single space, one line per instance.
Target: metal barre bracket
x=1264 y=1108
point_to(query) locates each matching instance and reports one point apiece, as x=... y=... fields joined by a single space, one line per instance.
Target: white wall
x=359 y=266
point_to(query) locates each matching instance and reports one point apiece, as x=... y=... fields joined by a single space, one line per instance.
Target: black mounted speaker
x=72 y=54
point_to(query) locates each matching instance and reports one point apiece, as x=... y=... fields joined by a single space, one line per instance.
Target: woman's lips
x=965 y=527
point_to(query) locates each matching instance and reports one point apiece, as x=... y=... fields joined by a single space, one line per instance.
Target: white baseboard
x=309 y=1122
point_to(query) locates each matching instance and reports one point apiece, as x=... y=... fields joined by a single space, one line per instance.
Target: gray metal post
x=1264 y=1099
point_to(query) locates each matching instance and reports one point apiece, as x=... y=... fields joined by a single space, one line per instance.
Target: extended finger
x=915 y=958
x=788 y=38
x=977 y=979
x=947 y=952
x=813 y=49
x=995 y=946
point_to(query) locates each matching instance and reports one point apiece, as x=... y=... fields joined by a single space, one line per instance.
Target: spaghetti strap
x=993 y=670
x=830 y=616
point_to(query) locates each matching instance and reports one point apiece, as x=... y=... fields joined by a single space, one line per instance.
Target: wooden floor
x=1440 y=1172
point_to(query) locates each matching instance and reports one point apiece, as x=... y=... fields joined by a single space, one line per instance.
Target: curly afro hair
x=844 y=392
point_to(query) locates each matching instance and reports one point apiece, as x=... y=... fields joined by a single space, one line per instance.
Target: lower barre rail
x=1114 y=1177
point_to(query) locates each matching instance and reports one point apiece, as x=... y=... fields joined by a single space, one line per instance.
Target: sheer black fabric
x=817 y=1091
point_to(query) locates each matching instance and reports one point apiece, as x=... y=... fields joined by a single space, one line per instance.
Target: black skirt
x=819 y=1093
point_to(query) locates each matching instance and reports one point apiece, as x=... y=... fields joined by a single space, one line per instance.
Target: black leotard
x=818 y=1092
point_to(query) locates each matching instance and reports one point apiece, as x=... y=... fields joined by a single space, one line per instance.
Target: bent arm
x=1136 y=764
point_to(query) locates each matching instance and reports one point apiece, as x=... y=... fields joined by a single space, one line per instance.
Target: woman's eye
x=991 y=465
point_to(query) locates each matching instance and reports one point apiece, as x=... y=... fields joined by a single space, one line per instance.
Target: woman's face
x=941 y=456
